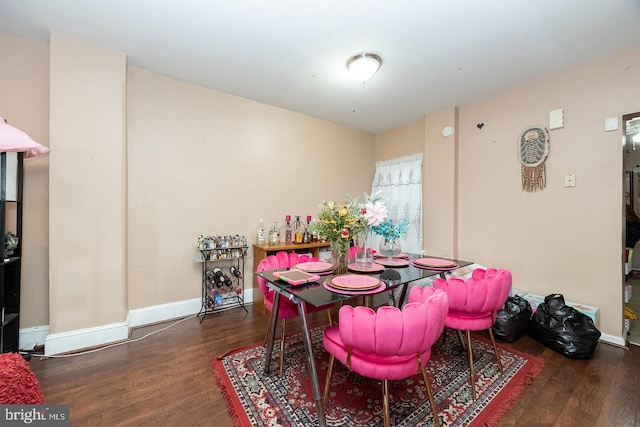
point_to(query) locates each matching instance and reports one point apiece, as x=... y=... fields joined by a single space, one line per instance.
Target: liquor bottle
x=306 y=236
x=288 y=231
x=261 y=233
x=236 y=272
x=299 y=230
x=274 y=233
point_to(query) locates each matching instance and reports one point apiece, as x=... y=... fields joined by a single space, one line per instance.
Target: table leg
x=313 y=373
x=271 y=334
x=403 y=295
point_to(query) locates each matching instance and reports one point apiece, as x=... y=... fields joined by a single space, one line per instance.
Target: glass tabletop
x=316 y=294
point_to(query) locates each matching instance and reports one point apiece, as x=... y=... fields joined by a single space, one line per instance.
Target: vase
x=390 y=247
x=363 y=253
x=340 y=255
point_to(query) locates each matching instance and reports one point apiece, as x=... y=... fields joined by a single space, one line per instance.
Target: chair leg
x=385 y=403
x=327 y=383
x=284 y=329
x=495 y=349
x=432 y=401
x=329 y=316
x=472 y=371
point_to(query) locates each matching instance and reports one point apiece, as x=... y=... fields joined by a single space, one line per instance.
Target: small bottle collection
x=296 y=232
x=218 y=246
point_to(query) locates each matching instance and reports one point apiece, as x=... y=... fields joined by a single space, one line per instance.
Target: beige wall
x=567 y=240
x=24 y=102
x=87 y=186
x=200 y=161
x=205 y=162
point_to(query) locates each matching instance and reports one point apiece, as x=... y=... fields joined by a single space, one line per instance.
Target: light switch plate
x=570 y=180
x=556 y=119
x=610 y=123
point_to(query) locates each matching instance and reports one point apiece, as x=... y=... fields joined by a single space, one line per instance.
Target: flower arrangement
x=339 y=221
x=339 y=224
x=390 y=231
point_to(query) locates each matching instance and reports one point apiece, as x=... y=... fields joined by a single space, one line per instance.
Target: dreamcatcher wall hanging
x=533 y=151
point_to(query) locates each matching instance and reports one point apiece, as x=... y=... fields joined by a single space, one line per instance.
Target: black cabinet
x=11 y=172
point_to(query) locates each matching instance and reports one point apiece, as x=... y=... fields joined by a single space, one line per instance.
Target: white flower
x=375 y=213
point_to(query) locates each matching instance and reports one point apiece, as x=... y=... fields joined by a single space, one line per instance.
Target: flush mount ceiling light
x=364 y=66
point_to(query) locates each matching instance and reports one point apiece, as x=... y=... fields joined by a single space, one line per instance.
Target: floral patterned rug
x=256 y=400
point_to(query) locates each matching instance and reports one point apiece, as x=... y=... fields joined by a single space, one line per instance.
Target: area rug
x=256 y=400
x=18 y=384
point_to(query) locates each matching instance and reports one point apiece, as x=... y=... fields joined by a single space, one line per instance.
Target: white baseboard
x=106 y=334
x=84 y=338
x=162 y=312
x=29 y=338
x=611 y=339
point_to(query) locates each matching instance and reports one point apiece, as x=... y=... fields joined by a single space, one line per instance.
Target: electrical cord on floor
x=128 y=341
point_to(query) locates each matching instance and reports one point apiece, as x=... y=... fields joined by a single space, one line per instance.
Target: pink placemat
x=400 y=255
x=453 y=267
x=393 y=262
x=434 y=262
x=314 y=266
x=380 y=288
x=368 y=268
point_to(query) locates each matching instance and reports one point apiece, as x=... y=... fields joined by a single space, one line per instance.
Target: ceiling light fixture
x=364 y=66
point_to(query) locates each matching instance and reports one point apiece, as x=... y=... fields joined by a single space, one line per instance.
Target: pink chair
x=389 y=344
x=473 y=305
x=287 y=309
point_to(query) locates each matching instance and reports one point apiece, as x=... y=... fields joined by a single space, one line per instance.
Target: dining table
x=318 y=293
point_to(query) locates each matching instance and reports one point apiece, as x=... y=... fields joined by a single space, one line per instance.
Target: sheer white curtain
x=400 y=184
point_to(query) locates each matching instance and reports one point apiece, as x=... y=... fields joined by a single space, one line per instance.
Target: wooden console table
x=260 y=252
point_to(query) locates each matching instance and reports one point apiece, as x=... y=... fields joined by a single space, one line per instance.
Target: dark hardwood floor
x=165 y=379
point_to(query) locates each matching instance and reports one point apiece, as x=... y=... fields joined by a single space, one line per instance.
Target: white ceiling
x=293 y=53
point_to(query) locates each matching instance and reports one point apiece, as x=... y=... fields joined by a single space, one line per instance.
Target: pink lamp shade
x=14 y=140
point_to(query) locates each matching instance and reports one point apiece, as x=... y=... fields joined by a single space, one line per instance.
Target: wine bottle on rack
x=236 y=272
x=224 y=279
x=218 y=277
x=211 y=277
x=210 y=302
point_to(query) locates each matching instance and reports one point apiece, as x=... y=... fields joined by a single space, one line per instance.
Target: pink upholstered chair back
x=483 y=292
x=280 y=260
x=392 y=331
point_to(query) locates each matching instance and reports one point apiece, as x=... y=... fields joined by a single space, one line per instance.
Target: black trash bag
x=512 y=319
x=563 y=328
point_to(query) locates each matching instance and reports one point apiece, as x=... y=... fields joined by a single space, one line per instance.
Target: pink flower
x=375 y=213
x=344 y=234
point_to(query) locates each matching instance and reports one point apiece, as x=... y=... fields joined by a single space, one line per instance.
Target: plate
x=366 y=268
x=393 y=262
x=314 y=266
x=435 y=262
x=400 y=255
x=426 y=267
x=375 y=290
x=355 y=282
